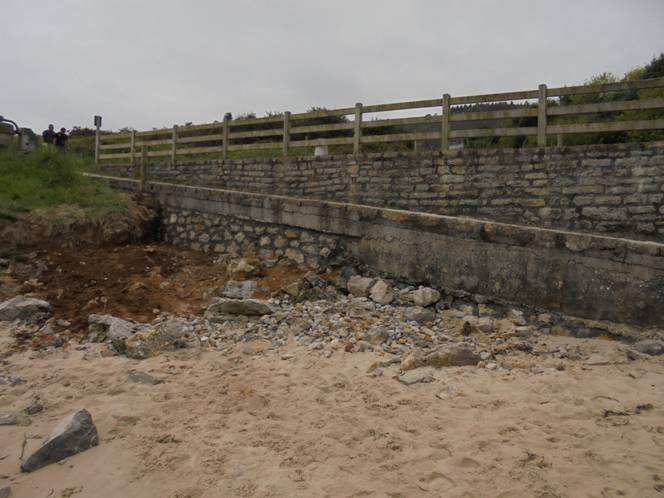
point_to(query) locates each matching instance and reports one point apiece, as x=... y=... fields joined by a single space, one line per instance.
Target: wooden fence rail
x=288 y=131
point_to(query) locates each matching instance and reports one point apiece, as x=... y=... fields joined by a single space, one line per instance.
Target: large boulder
x=235 y=289
x=102 y=327
x=73 y=434
x=381 y=292
x=424 y=296
x=23 y=308
x=226 y=309
x=449 y=355
x=360 y=286
x=167 y=336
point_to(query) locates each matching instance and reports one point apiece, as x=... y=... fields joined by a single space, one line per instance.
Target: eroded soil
x=134 y=282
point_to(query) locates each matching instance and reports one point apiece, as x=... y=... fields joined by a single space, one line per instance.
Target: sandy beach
x=290 y=422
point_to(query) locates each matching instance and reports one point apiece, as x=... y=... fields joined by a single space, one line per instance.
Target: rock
x=419 y=314
x=143 y=378
x=524 y=331
x=313 y=279
x=225 y=309
x=103 y=327
x=35 y=406
x=444 y=303
x=517 y=317
x=359 y=286
x=449 y=355
x=381 y=292
x=73 y=434
x=469 y=325
x=239 y=289
x=294 y=255
x=485 y=324
x=167 y=336
x=415 y=377
x=649 y=346
x=26 y=309
x=485 y=310
x=14 y=419
x=377 y=336
x=242 y=267
x=424 y=296
x=5 y=492
x=328 y=293
x=294 y=289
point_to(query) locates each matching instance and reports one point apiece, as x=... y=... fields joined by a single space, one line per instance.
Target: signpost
x=97 y=127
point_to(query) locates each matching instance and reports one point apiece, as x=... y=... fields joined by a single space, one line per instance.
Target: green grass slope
x=49 y=178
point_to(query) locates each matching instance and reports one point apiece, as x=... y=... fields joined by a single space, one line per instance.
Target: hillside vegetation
x=49 y=178
x=82 y=139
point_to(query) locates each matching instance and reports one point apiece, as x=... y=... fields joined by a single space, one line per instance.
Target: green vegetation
x=48 y=178
x=82 y=143
x=654 y=69
x=82 y=139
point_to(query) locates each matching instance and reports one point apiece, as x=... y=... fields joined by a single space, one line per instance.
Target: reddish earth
x=132 y=282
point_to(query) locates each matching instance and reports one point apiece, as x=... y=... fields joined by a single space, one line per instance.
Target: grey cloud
x=159 y=62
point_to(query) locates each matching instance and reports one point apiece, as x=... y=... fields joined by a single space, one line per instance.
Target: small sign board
x=98 y=121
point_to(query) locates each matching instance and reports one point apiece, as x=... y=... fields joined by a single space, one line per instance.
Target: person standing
x=49 y=135
x=61 y=139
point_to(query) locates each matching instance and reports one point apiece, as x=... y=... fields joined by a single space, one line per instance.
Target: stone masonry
x=240 y=237
x=608 y=189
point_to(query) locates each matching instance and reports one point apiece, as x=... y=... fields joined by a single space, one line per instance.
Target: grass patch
x=49 y=178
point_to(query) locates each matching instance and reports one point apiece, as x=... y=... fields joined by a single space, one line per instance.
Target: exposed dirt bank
x=134 y=282
x=70 y=226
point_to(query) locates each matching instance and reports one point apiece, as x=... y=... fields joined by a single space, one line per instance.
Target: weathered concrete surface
x=585 y=275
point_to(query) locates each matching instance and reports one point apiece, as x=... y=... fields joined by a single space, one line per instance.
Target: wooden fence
x=283 y=134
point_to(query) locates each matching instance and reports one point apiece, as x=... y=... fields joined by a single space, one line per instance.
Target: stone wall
x=270 y=242
x=590 y=276
x=611 y=189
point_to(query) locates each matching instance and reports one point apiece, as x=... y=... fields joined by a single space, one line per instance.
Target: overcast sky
x=154 y=63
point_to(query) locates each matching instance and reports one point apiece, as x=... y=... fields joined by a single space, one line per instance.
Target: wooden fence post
x=174 y=141
x=287 y=116
x=132 y=147
x=541 y=116
x=445 y=126
x=226 y=131
x=559 y=139
x=144 y=165
x=357 y=137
